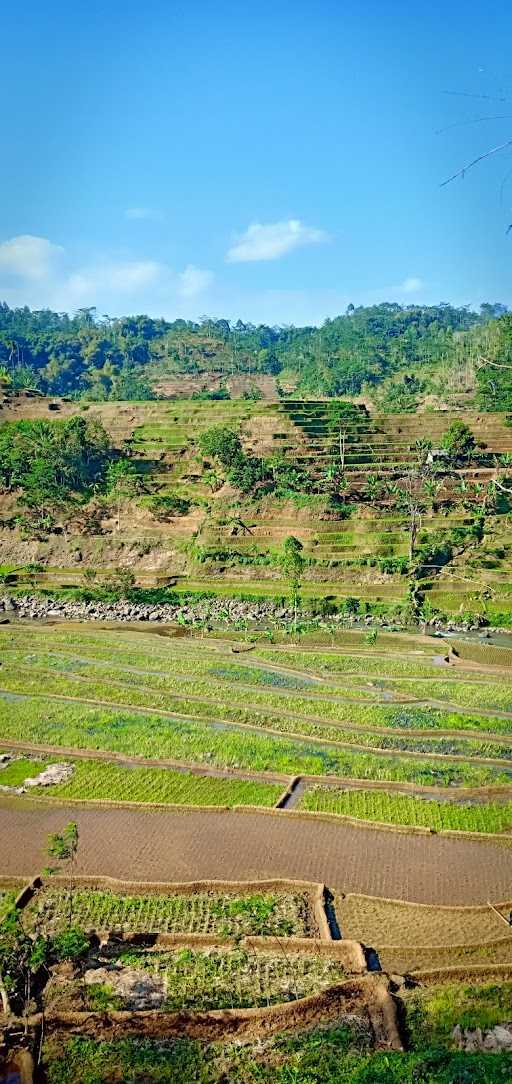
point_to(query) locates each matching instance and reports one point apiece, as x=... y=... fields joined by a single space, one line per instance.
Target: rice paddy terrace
x=295 y=848
x=295 y=857
x=291 y=737
x=229 y=546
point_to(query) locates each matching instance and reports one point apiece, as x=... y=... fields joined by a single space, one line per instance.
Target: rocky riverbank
x=213 y=612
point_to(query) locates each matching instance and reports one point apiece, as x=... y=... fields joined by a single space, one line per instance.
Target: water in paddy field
x=494 y=639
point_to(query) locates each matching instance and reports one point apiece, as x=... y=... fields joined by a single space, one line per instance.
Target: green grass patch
x=334 y=1054
x=16 y=771
x=7 y=898
x=434 y=1011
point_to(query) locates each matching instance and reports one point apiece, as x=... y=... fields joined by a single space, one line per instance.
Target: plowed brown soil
x=188 y=845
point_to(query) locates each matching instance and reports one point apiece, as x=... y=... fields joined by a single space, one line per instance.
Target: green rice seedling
x=408 y=811
x=101 y=781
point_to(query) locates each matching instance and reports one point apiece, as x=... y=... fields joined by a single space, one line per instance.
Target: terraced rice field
x=210 y=722
x=410 y=937
x=108 y=782
x=279 y=709
x=162 y=440
x=159 y=845
x=395 y=922
x=397 y=809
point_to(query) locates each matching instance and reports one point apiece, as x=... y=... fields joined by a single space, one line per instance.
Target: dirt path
x=165 y=846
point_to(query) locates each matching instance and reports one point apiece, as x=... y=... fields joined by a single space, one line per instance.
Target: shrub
x=163 y=506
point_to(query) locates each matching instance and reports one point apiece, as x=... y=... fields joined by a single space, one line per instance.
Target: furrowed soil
x=186 y=845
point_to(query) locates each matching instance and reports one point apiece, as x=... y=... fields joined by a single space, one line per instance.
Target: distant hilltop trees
x=393 y=350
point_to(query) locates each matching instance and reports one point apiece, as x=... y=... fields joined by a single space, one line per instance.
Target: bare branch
x=492 y=364
x=462 y=172
x=476 y=120
x=465 y=94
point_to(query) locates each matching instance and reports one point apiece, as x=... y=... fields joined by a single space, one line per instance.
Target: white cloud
x=29 y=257
x=411 y=285
x=106 y=281
x=194 y=281
x=269 y=241
x=141 y=214
x=38 y=273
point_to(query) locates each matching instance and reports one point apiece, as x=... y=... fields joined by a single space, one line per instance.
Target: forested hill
x=390 y=352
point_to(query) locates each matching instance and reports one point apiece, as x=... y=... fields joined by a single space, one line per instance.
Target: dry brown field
x=190 y=845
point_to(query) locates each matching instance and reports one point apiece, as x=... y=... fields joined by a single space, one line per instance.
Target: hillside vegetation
x=393 y=355
x=375 y=503
x=393 y=514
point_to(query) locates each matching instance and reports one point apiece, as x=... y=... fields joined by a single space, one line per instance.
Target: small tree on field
x=120 y=580
x=459 y=441
x=293 y=563
x=63 y=846
x=409 y=501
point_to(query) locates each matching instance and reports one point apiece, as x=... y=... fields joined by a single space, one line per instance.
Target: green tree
x=293 y=563
x=459 y=442
x=221 y=443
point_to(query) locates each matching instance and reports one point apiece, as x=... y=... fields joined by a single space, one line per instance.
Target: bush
x=70 y=943
x=459 y=441
x=163 y=506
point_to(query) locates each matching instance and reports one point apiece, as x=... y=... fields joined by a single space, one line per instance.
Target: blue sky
x=273 y=161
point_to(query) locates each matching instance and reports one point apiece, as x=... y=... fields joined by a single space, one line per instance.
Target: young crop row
x=39 y=720
x=483 y=694
x=408 y=811
x=221 y=980
x=271 y=914
x=103 y=781
x=334 y=732
x=199 y=658
x=292 y=722
x=175 y=672
x=366 y=664
x=168 y=694
x=199 y=663
x=196 y=657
